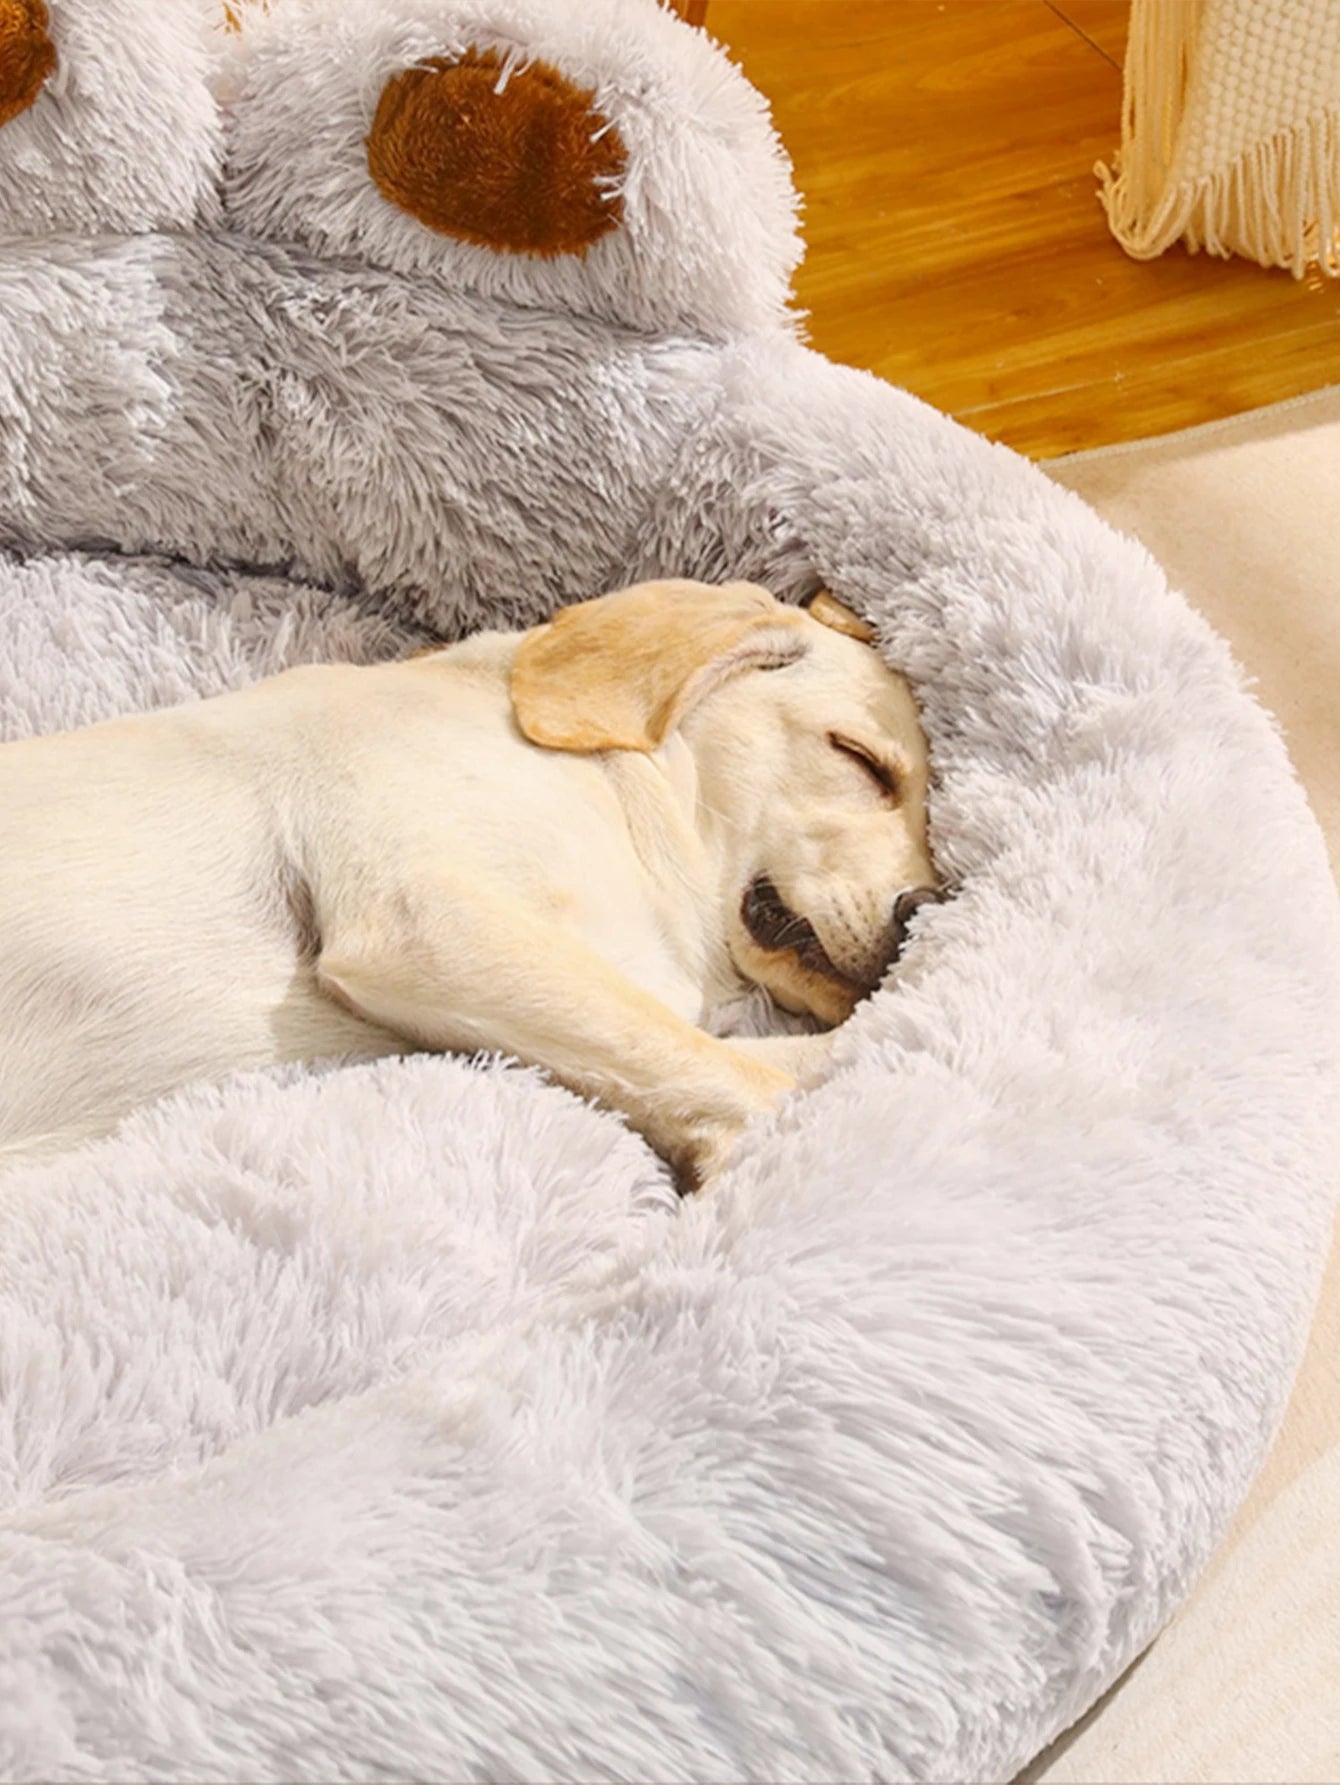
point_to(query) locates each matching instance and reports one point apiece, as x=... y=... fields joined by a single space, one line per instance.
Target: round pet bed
x=395 y=1420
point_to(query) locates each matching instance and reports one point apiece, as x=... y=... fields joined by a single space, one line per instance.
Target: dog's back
x=166 y=876
x=149 y=933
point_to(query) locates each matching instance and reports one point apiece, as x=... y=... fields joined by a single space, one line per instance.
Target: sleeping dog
x=567 y=845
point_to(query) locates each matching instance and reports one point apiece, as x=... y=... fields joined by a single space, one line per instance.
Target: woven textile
x=1231 y=131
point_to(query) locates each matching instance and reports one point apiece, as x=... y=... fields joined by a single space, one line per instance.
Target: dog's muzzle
x=774 y=925
x=905 y=908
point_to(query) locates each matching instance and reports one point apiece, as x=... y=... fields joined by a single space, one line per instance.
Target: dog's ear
x=618 y=673
x=829 y=611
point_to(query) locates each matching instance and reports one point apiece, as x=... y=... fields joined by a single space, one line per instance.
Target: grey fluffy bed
x=395 y=1421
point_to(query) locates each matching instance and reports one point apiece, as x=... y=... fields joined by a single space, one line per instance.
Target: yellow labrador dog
x=566 y=844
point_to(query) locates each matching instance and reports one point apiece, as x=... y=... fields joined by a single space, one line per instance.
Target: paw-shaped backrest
x=595 y=156
x=108 y=117
x=417 y=292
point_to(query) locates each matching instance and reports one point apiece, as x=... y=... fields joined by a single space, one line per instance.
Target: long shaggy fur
x=394 y=1421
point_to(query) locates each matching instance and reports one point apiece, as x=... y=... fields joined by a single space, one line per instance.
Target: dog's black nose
x=905 y=908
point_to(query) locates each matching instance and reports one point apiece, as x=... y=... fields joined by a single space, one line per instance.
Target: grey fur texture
x=393 y=1421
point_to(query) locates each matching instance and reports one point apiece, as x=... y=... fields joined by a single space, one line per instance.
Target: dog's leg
x=804 y=1057
x=448 y=970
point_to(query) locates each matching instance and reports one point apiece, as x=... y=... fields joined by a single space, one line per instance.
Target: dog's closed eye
x=884 y=775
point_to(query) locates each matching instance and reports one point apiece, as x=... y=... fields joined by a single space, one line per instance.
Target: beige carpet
x=1245 y=1684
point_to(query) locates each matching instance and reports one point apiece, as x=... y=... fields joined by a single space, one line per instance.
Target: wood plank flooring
x=945 y=149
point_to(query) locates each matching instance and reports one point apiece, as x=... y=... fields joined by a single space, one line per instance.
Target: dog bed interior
x=396 y=1420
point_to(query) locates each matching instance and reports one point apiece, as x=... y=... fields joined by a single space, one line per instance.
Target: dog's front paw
x=703 y=1150
x=702 y=1158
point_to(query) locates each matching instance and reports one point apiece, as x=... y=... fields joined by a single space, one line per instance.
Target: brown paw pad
x=27 y=55
x=524 y=165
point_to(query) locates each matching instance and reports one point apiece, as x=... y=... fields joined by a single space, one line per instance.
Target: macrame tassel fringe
x=1278 y=203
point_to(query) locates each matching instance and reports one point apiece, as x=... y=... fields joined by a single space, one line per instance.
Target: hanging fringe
x=1277 y=203
x=1161 y=39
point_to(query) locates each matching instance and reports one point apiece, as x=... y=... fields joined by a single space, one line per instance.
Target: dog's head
x=810 y=760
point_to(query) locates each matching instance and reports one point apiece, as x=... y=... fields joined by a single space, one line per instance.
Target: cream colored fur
x=342 y=860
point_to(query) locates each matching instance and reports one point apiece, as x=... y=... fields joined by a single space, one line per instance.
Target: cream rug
x=1245 y=1684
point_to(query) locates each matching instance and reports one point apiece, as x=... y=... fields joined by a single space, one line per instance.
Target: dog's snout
x=905 y=908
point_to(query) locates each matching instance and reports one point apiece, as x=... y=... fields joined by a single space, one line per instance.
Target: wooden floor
x=945 y=149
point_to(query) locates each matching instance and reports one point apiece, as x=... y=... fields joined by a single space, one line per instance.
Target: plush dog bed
x=395 y=1420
